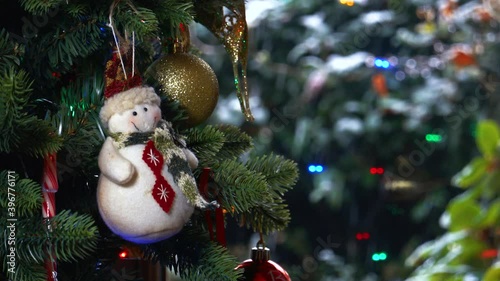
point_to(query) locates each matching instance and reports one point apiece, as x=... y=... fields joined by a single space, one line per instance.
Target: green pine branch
x=20 y=132
x=141 y=20
x=174 y=12
x=77 y=117
x=27 y=195
x=64 y=46
x=194 y=257
x=239 y=188
x=236 y=142
x=78 y=9
x=64 y=41
x=213 y=144
x=83 y=147
x=8 y=52
x=38 y=7
x=74 y=237
x=15 y=88
x=270 y=216
x=280 y=173
x=171 y=13
x=37 y=137
x=210 y=268
x=26 y=271
x=205 y=144
x=253 y=190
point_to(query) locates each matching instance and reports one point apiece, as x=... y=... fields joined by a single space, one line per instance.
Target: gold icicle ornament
x=232 y=30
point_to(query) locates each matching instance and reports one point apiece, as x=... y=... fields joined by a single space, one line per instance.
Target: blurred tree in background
x=379 y=103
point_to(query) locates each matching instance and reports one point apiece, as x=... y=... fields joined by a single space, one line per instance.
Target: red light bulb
x=489 y=253
x=123 y=254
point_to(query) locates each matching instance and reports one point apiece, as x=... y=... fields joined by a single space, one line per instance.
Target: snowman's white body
x=130 y=209
x=124 y=193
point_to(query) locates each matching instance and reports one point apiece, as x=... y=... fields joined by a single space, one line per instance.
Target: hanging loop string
x=133 y=53
x=115 y=37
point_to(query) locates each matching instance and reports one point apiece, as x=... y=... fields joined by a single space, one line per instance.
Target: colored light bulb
x=123 y=254
x=382 y=256
x=316 y=168
x=433 y=138
x=312 y=168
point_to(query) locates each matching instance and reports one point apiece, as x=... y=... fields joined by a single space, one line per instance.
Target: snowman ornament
x=146 y=191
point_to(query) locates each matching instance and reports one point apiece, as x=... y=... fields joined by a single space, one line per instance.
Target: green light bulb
x=433 y=138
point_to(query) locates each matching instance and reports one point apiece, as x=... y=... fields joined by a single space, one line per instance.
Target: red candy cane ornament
x=50 y=186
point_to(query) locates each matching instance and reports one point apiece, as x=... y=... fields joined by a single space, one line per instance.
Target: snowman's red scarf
x=162 y=191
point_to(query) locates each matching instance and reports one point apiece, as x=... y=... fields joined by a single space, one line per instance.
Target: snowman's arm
x=114 y=166
x=191 y=158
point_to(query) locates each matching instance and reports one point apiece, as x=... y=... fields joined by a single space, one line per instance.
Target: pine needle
x=27 y=195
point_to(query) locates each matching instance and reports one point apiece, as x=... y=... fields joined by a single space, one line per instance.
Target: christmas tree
x=382 y=104
x=69 y=71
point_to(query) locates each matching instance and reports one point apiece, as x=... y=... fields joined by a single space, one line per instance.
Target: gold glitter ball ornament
x=190 y=81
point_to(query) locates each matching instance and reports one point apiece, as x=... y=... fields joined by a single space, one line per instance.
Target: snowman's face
x=141 y=118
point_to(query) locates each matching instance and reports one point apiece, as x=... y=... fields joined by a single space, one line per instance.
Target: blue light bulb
x=312 y=168
x=382 y=256
x=319 y=168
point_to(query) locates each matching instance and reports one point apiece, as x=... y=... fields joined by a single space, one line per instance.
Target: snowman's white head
x=140 y=118
x=134 y=110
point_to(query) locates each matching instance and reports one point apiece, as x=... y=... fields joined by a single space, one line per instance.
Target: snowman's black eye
x=145 y=109
x=134 y=113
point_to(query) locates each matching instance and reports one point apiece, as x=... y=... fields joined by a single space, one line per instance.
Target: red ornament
x=379 y=84
x=261 y=268
x=463 y=59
